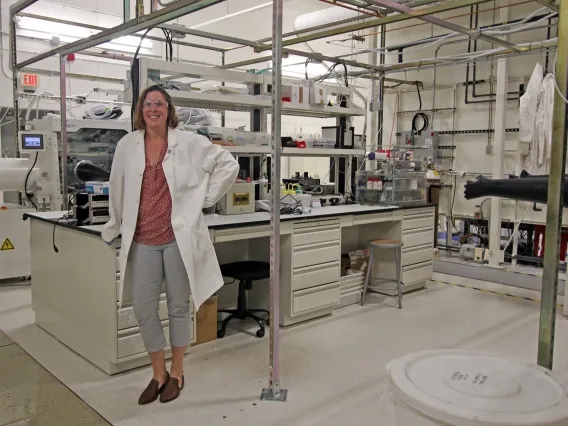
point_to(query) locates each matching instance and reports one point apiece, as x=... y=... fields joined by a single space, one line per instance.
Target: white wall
x=470 y=153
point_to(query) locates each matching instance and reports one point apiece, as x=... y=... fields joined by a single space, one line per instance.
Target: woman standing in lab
x=161 y=179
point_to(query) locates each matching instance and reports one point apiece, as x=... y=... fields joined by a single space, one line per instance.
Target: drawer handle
x=310 y=247
x=315 y=268
x=417 y=266
x=317 y=289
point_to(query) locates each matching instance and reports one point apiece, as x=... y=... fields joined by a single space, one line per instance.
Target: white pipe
x=233 y=15
x=325 y=16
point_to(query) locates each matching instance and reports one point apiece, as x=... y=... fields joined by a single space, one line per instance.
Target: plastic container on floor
x=461 y=388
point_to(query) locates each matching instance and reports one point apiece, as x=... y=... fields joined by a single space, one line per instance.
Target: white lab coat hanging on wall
x=527 y=116
x=198 y=175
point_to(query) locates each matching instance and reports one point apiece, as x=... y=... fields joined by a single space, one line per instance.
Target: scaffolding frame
x=278 y=45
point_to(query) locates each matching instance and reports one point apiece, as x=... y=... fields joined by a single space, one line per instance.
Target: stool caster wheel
x=220 y=334
x=260 y=333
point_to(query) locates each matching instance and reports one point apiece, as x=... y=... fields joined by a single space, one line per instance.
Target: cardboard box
x=296 y=94
x=206 y=321
x=359 y=260
x=317 y=92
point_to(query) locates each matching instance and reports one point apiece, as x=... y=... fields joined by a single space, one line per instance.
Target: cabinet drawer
x=132 y=344
x=313 y=276
x=418 y=237
x=316 y=254
x=319 y=235
x=311 y=225
x=126 y=319
x=316 y=298
x=418 y=254
x=410 y=213
x=419 y=272
x=418 y=221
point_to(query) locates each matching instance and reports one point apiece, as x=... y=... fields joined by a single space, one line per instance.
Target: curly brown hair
x=139 y=123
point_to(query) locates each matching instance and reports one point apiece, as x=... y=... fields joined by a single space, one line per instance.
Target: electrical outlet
x=489 y=149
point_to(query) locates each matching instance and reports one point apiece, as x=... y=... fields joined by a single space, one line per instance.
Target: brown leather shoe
x=172 y=389
x=152 y=391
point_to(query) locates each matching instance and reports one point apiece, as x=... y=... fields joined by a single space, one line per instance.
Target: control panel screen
x=32 y=142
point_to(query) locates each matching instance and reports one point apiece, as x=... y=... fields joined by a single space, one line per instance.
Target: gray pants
x=150 y=266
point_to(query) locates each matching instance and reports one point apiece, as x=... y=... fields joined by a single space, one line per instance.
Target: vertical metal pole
x=373 y=125
x=382 y=88
x=273 y=392
x=555 y=199
x=495 y=252
x=222 y=84
x=14 y=59
x=126 y=10
x=64 y=151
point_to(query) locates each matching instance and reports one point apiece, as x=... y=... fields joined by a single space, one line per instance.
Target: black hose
x=28 y=196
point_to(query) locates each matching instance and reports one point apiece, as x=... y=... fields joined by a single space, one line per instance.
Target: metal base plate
x=268 y=395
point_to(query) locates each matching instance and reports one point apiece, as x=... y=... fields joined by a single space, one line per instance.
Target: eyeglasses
x=155 y=104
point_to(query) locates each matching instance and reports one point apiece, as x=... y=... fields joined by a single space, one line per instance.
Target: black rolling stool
x=246 y=272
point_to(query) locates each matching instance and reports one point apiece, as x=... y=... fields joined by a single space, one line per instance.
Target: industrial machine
x=238 y=200
x=92 y=140
x=36 y=176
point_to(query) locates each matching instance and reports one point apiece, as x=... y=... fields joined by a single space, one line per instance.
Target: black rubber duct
x=85 y=171
x=533 y=189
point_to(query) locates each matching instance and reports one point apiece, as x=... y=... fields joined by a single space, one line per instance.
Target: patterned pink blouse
x=154 y=225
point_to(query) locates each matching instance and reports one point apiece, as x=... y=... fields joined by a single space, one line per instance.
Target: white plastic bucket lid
x=464 y=388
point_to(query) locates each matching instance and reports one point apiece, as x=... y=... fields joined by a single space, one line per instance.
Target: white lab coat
x=198 y=175
x=528 y=104
x=543 y=123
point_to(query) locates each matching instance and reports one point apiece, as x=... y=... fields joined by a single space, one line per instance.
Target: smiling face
x=155 y=111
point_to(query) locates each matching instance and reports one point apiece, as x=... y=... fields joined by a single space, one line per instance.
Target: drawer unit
x=130 y=342
x=418 y=237
x=410 y=213
x=417 y=254
x=311 y=225
x=315 y=298
x=320 y=234
x=315 y=254
x=126 y=319
x=313 y=276
x=425 y=220
x=418 y=272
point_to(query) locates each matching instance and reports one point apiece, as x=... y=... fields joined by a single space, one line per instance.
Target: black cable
x=306 y=67
x=419 y=97
x=134 y=77
x=66 y=216
x=425 y=123
x=167 y=40
x=28 y=195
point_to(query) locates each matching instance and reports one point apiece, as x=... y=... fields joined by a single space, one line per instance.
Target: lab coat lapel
x=168 y=162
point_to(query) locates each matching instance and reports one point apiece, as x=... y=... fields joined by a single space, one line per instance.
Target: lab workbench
x=75 y=274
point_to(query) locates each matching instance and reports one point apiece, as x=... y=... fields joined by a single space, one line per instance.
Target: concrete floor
x=31 y=396
x=334 y=368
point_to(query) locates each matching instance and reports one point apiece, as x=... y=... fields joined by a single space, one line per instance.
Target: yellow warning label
x=7 y=245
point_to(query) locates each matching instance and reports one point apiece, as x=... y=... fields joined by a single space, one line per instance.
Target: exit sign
x=30 y=80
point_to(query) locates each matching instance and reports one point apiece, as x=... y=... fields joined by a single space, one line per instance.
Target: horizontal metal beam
x=176 y=10
x=550 y=4
x=97 y=28
x=212 y=36
x=87 y=77
x=19 y=6
x=441 y=62
x=371 y=23
x=445 y=24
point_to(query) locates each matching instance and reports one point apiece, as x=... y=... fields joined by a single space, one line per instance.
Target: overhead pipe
x=370 y=23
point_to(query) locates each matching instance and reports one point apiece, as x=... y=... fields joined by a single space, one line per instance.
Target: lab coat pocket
x=186 y=177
